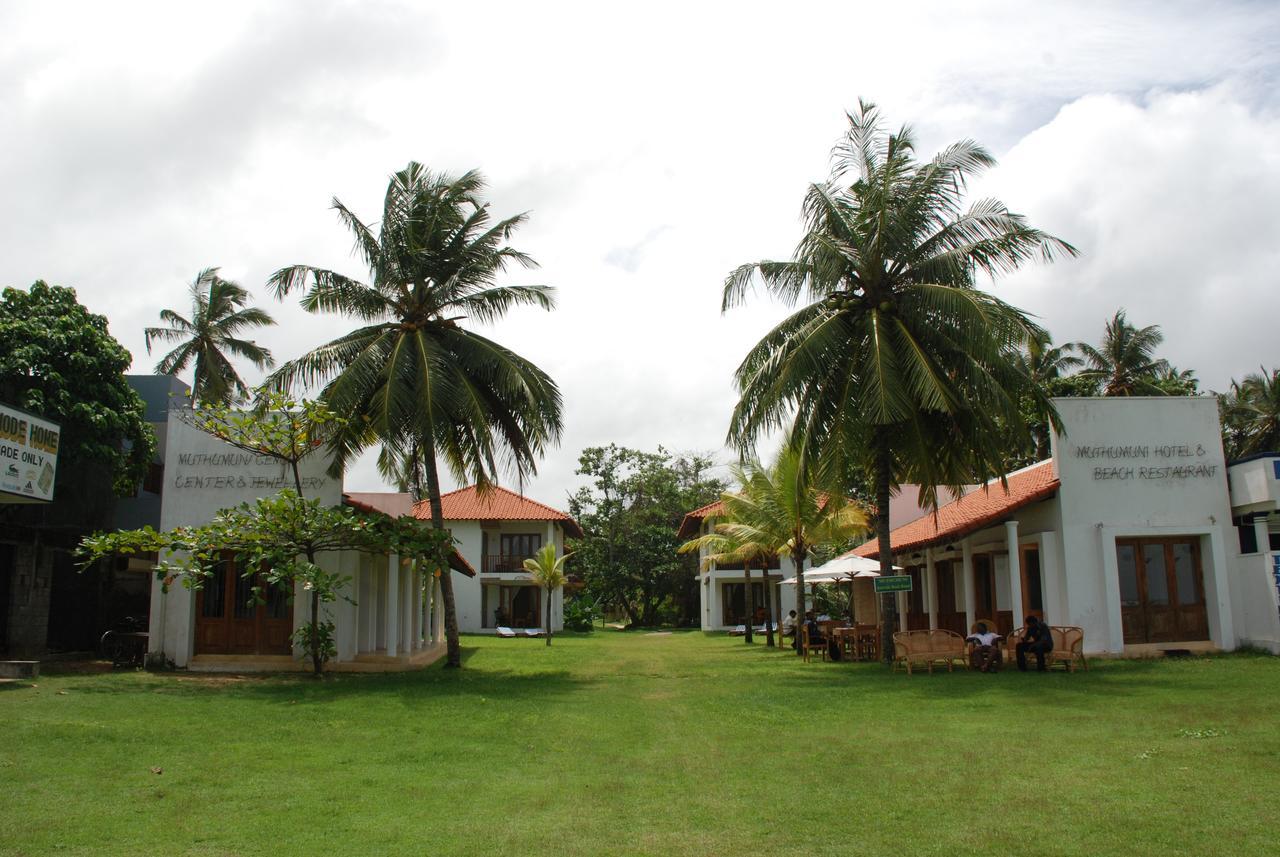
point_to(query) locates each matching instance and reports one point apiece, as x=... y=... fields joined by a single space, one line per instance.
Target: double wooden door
x=230 y=621
x=1162 y=590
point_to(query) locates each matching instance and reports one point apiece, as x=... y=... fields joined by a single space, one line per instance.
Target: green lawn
x=647 y=744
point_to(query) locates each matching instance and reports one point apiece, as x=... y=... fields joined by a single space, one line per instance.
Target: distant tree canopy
x=630 y=514
x=58 y=361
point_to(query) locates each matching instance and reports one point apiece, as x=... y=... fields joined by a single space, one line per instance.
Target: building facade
x=1133 y=530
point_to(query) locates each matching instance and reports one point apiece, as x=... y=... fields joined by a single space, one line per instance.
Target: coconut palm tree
x=1044 y=364
x=779 y=511
x=209 y=338
x=414 y=377
x=1252 y=410
x=547 y=571
x=1125 y=362
x=723 y=548
x=896 y=364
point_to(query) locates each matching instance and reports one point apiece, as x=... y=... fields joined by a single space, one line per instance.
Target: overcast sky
x=655 y=149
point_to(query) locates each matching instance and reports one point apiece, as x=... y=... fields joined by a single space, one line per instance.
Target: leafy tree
x=630 y=515
x=1173 y=381
x=1125 y=362
x=547 y=571
x=898 y=364
x=218 y=316
x=778 y=510
x=1251 y=414
x=412 y=378
x=1047 y=367
x=58 y=361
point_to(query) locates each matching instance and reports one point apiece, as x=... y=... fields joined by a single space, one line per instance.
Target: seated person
x=1038 y=640
x=789 y=624
x=985 y=655
x=815 y=630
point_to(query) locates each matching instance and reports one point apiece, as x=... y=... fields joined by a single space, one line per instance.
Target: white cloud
x=1171 y=200
x=656 y=147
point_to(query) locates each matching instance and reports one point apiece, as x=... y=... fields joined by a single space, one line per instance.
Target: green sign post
x=894 y=583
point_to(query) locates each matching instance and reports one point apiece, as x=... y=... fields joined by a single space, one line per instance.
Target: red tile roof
x=498 y=504
x=693 y=521
x=974 y=511
x=369 y=503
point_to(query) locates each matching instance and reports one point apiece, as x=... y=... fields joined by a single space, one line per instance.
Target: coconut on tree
x=896 y=363
x=211 y=337
x=415 y=376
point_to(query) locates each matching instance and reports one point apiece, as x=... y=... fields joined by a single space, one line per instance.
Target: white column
x=1055 y=587
x=1111 y=592
x=393 y=604
x=901 y=599
x=1216 y=591
x=406 y=607
x=1262 y=535
x=970 y=590
x=1015 y=572
x=437 y=602
x=416 y=582
x=931 y=583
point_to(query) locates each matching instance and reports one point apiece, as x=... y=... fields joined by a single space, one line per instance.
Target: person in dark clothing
x=1038 y=640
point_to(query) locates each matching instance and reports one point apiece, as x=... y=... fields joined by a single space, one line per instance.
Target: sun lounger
x=534 y=632
x=506 y=632
x=738 y=631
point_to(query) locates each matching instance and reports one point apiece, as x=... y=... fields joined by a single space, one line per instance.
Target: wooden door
x=917 y=605
x=230 y=622
x=1192 y=616
x=984 y=587
x=949 y=618
x=1161 y=590
x=1032 y=582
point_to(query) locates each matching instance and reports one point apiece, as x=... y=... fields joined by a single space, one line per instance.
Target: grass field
x=626 y=743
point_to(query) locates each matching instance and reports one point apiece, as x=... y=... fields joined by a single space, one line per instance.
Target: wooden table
x=860 y=642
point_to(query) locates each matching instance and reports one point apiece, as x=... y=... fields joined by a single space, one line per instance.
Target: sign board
x=28 y=457
x=893 y=583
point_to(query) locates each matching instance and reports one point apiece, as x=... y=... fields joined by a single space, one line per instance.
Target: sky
x=655 y=148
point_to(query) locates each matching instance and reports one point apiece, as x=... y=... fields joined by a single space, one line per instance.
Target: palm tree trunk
x=797 y=557
x=888 y=602
x=453 y=657
x=750 y=600
x=768 y=606
x=549 y=615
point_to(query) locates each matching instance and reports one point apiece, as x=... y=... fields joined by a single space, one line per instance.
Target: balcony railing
x=496 y=563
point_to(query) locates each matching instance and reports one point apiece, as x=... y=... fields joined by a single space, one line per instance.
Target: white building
x=495 y=532
x=1136 y=530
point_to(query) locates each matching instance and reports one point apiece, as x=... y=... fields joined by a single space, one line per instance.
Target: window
x=520 y=546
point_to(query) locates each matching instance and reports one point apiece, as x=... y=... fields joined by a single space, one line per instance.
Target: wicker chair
x=928 y=648
x=1068 y=647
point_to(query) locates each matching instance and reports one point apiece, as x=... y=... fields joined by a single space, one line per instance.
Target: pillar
x=416 y=584
x=393 y=604
x=931 y=583
x=970 y=589
x=901 y=599
x=1015 y=572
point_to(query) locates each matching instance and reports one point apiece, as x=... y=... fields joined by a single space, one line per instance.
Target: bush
x=579 y=613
